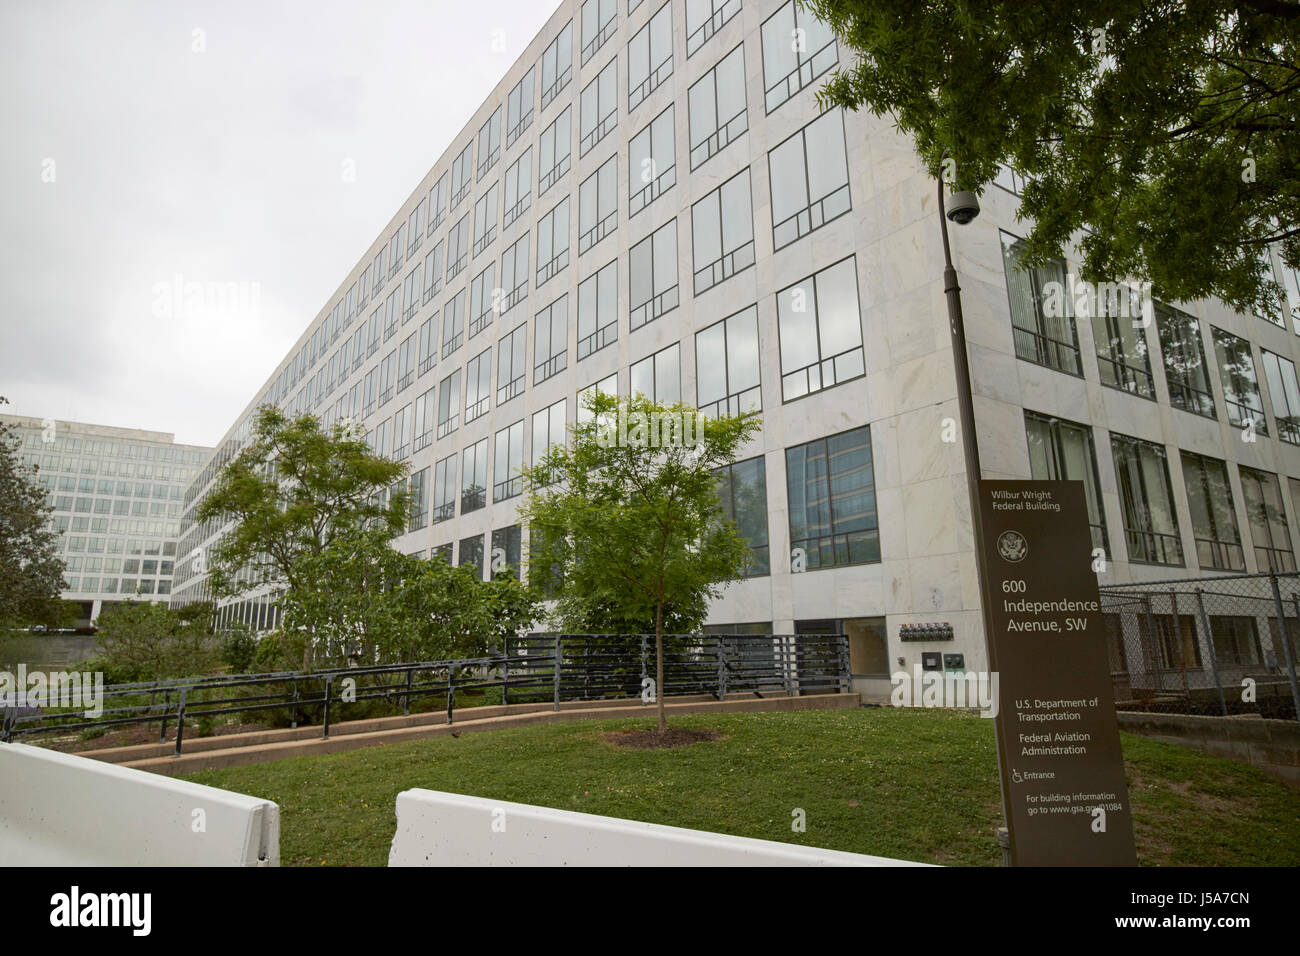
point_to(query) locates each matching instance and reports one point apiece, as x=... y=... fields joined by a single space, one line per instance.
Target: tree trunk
x=659 y=666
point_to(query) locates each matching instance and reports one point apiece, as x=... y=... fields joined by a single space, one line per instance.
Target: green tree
x=1168 y=129
x=367 y=603
x=148 y=641
x=31 y=570
x=290 y=493
x=626 y=516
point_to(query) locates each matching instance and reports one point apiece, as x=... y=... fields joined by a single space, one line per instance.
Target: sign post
x=1063 y=786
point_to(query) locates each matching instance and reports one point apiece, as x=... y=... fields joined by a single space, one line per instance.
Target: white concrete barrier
x=59 y=809
x=450 y=829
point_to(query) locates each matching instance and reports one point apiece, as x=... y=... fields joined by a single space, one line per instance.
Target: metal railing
x=545 y=668
x=1215 y=645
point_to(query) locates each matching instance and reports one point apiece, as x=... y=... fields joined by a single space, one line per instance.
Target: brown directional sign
x=1058 y=742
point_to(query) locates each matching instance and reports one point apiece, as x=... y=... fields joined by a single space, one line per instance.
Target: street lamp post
x=965 y=207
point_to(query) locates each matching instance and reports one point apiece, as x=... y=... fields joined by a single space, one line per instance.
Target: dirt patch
x=653 y=740
x=138 y=735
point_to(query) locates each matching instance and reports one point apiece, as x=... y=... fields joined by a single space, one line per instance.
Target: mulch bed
x=653 y=740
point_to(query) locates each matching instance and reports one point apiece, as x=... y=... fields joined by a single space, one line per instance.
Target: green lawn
x=914 y=784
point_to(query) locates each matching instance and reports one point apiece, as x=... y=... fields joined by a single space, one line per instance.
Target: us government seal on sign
x=1012 y=546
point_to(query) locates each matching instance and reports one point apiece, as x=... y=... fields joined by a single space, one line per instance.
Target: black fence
x=537 y=668
x=1221 y=645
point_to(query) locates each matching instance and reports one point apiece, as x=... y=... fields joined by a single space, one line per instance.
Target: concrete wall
x=62 y=810
x=449 y=829
x=1270 y=745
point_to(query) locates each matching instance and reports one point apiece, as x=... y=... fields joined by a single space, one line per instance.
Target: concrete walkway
x=204 y=753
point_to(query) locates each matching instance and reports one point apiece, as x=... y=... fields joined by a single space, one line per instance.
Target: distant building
x=117 y=495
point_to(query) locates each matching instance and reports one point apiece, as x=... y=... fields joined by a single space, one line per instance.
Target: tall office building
x=651 y=201
x=117 y=496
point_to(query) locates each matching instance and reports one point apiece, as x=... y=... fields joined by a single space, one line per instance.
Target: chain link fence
x=1220 y=645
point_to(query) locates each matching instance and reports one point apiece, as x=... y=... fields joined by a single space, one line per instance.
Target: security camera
x=963 y=207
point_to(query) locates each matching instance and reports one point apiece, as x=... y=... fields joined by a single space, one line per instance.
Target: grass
x=913 y=784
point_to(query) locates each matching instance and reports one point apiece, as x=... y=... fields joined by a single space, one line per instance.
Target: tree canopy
x=31 y=569
x=290 y=492
x=1166 y=129
x=626 y=522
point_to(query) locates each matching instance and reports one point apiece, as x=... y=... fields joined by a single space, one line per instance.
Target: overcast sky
x=154 y=143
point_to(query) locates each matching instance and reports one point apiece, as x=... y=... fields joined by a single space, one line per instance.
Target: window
x=606 y=386
x=478 y=385
x=598 y=24
x=1185 y=366
x=512 y=361
x=363 y=288
x=1040 y=324
x=387 y=377
x=402 y=433
x=659 y=377
x=704 y=18
x=1214 y=520
x=1061 y=450
x=557 y=65
x=597 y=205
x=514 y=274
x=453 y=323
x=1146 y=499
x=1122 y=356
x=797 y=49
x=437 y=203
x=396 y=252
x=485 y=218
x=426 y=407
x=359 y=346
x=1267 y=519
x=555 y=151
x=471 y=551
x=652 y=162
x=519 y=108
x=742 y=490
x=462 y=174
x=832 y=498
x=415 y=228
x=381 y=438
x=406 y=360
x=551 y=340
x=553 y=242
x=548 y=429
x=393 y=313
x=458 y=248
x=449 y=404
x=820 y=331
x=1240 y=383
x=418 y=510
x=519 y=187
x=411 y=294
x=1285 y=395
x=1236 y=639
x=506 y=480
x=506 y=547
x=428 y=346
x=652 y=268
x=597 y=311
x=444 y=489
x=650 y=56
x=598 y=108
x=722 y=229
x=473 y=477
x=482 y=300
x=717 y=107
x=810 y=179
x=432 y=273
